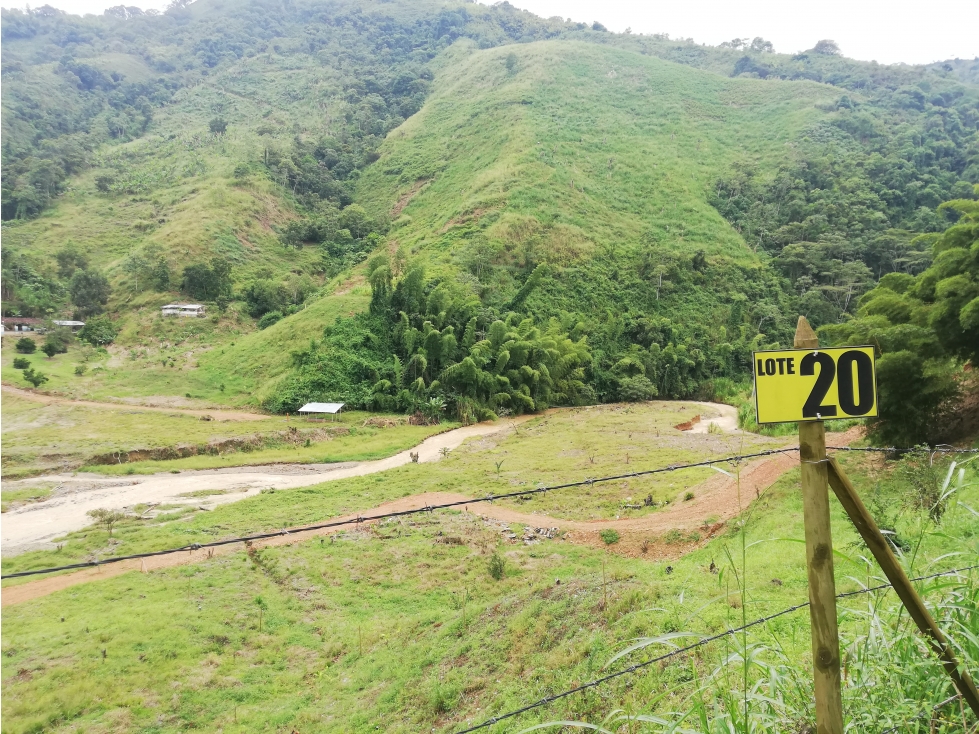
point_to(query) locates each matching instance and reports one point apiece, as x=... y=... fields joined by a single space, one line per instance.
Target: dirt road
x=714 y=502
x=218 y=414
x=717 y=500
x=34 y=526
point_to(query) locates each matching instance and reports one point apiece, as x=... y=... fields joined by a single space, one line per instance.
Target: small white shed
x=184 y=309
x=321 y=408
x=73 y=325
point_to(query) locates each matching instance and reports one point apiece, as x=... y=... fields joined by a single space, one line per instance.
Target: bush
x=497 y=566
x=268 y=319
x=35 y=378
x=636 y=389
x=21 y=363
x=672 y=537
x=99 y=331
x=264 y=296
x=207 y=283
x=58 y=340
x=25 y=345
x=609 y=536
x=80 y=369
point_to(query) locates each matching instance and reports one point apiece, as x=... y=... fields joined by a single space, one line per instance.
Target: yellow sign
x=815 y=384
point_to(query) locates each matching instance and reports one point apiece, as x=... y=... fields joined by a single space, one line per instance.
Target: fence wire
x=403 y=513
x=430 y=508
x=680 y=651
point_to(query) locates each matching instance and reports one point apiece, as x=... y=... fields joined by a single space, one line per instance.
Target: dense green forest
x=544 y=212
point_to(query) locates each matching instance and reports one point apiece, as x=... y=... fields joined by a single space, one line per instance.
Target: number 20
x=846 y=398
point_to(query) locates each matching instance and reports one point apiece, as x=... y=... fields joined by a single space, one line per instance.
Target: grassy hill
x=596 y=162
x=665 y=187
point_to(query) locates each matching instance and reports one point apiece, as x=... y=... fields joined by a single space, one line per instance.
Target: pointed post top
x=805 y=337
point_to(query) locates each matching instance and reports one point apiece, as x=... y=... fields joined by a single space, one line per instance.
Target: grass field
x=566 y=446
x=390 y=628
x=38 y=437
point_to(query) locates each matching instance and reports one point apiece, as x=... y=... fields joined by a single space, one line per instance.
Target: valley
x=533 y=258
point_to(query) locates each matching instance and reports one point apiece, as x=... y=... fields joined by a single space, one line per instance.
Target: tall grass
x=892 y=680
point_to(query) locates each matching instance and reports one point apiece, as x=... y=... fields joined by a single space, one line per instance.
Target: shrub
x=636 y=389
x=268 y=319
x=98 y=331
x=497 y=566
x=21 y=363
x=80 y=369
x=35 y=378
x=265 y=296
x=673 y=536
x=106 y=518
x=59 y=339
x=50 y=349
x=25 y=345
x=609 y=536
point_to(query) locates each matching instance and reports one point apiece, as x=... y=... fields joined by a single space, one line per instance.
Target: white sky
x=887 y=31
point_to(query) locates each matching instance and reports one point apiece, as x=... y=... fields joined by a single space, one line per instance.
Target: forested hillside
x=504 y=212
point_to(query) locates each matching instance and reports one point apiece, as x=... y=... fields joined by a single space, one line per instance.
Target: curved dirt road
x=715 y=501
x=36 y=525
x=719 y=498
x=217 y=414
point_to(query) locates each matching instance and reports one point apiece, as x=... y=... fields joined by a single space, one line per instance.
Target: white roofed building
x=184 y=309
x=331 y=408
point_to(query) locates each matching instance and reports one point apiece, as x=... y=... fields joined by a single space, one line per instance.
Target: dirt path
x=715 y=501
x=218 y=415
x=36 y=525
x=727 y=420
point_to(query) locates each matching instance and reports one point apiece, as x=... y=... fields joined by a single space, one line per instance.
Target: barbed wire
x=940 y=449
x=430 y=508
x=680 y=651
x=402 y=513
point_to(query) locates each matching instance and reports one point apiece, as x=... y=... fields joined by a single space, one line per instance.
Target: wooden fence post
x=864 y=522
x=819 y=563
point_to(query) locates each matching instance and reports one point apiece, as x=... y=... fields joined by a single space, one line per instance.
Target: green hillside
x=671 y=206
x=598 y=163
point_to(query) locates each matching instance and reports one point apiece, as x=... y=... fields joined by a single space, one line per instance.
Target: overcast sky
x=888 y=31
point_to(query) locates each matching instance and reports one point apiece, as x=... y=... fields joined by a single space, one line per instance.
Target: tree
x=218 y=126
x=25 y=345
x=98 y=331
x=921 y=325
x=264 y=296
x=134 y=264
x=89 y=292
x=106 y=518
x=59 y=338
x=50 y=349
x=69 y=260
x=760 y=45
x=104 y=182
x=159 y=274
x=356 y=219
x=827 y=47
x=208 y=283
x=35 y=378
x=511 y=63
x=21 y=363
